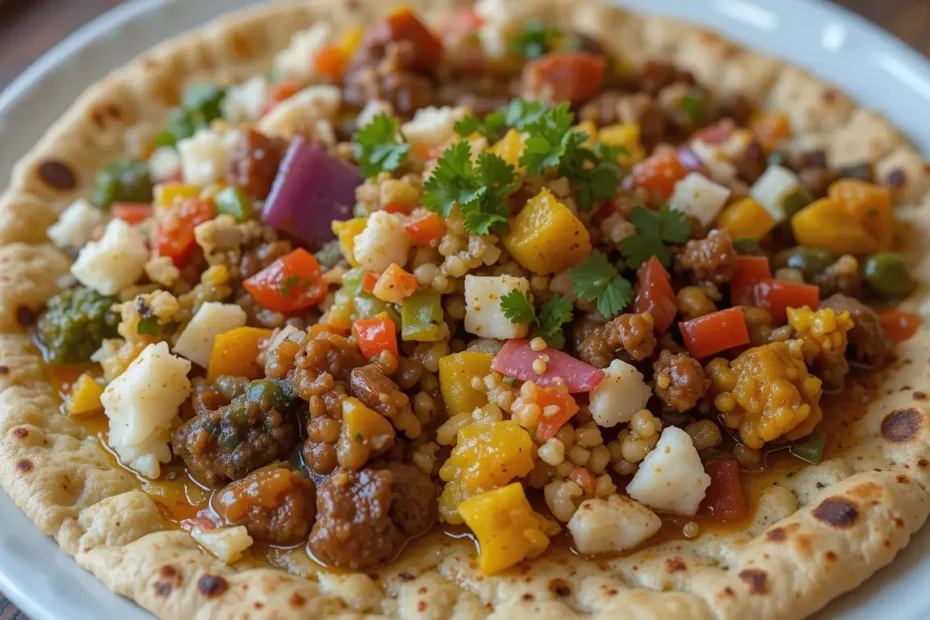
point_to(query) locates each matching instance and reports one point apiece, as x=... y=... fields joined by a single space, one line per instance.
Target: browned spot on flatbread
x=528 y=597
x=57 y=174
x=837 y=512
x=421 y=606
x=297 y=600
x=560 y=587
x=675 y=565
x=922 y=463
x=212 y=585
x=901 y=425
x=24 y=465
x=902 y=479
x=727 y=592
x=867 y=491
x=168 y=579
x=898 y=522
x=20 y=432
x=25 y=316
x=258 y=605
x=918 y=395
x=777 y=534
x=830 y=556
x=756 y=579
x=4 y=370
x=422 y=590
x=406 y=577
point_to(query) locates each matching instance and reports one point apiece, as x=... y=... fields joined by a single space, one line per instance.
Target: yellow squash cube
x=746 y=218
x=546 y=237
x=589 y=128
x=85 y=396
x=234 y=353
x=166 y=194
x=510 y=148
x=366 y=426
x=346 y=232
x=456 y=372
x=627 y=136
x=489 y=455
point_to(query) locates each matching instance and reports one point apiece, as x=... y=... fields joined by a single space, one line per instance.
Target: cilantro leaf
x=549 y=136
x=655 y=229
x=676 y=227
x=491 y=127
x=521 y=113
x=451 y=182
x=552 y=315
x=598 y=280
x=516 y=306
x=536 y=40
x=376 y=147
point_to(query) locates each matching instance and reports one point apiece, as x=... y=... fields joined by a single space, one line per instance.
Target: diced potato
x=771 y=189
x=721 y=170
x=456 y=372
x=382 y=241
x=546 y=237
x=431 y=126
x=746 y=218
x=625 y=135
x=85 y=396
x=76 y=225
x=226 y=543
x=310 y=112
x=699 y=197
x=213 y=319
x=510 y=148
x=234 y=353
x=619 y=395
x=671 y=477
x=507 y=529
x=610 y=525
x=113 y=263
x=165 y=163
x=483 y=314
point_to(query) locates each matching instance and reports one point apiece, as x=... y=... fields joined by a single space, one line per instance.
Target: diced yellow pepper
x=546 y=237
x=589 y=128
x=627 y=136
x=234 y=353
x=507 y=529
x=85 y=396
x=746 y=218
x=346 y=232
x=166 y=194
x=510 y=148
x=456 y=372
x=350 y=40
x=489 y=455
x=855 y=218
x=366 y=426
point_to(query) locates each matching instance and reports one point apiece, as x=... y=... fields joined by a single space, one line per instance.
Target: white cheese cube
x=671 y=477
x=76 y=225
x=113 y=263
x=610 y=525
x=204 y=155
x=483 y=314
x=142 y=404
x=699 y=197
x=226 y=543
x=384 y=241
x=244 y=102
x=622 y=393
x=309 y=113
x=771 y=189
x=165 y=164
x=296 y=60
x=431 y=126
x=213 y=319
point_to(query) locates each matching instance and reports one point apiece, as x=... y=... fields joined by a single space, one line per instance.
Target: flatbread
x=814 y=536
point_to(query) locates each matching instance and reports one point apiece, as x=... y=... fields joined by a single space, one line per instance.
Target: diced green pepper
x=368 y=306
x=233 y=201
x=810 y=448
x=125 y=180
x=421 y=318
x=352 y=281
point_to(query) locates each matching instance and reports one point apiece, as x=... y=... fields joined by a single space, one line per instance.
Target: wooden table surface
x=28 y=28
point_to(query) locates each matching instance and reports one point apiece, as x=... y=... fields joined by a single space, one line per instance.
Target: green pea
x=233 y=201
x=127 y=180
x=811 y=261
x=747 y=246
x=795 y=201
x=887 y=276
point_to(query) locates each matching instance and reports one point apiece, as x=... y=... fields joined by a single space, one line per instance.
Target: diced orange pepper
x=368 y=281
x=426 y=230
x=659 y=172
x=376 y=335
x=566 y=76
x=331 y=62
x=280 y=92
x=771 y=128
x=550 y=425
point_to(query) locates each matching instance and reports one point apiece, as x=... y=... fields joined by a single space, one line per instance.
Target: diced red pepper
x=566 y=76
x=715 y=332
x=398 y=207
x=777 y=296
x=402 y=25
x=376 y=335
x=281 y=91
x=550 y=425
x=900 y=326
x=132 y=212
x=750 y=270
x=291 y=283
x=725 y=500
x=368 y=281
x=659 y=172
x=331 y=62
x=174 y=233
x=654 y=295
x=427 y=229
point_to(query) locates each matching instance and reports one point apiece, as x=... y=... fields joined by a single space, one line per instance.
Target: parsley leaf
x=536 y=40
x=517 y=308
x=553 y=315
x=376 y=148
x=597 y=280
x=491 y=127
x=655 y=229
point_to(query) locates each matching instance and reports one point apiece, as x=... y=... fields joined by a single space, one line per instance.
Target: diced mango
x=625 y=135
x=346 y=232
x=507 y=529
x=366 y=426
x=234 y=353
x=488 y=455
x=166 y=194
x=456 y=372
x=85 y=396
x=746 y=218
x=510 y=148
x=350 y=40
x=855 y=218
x=546 y=237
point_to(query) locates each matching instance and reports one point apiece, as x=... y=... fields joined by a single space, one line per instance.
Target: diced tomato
x=900 y=325
x=725 y=500
x=566 y=76
x=281 y=91
x=174 y=232
x=583 y=478
x=331 y=62
x=132 y=212
x=291 y=283
x=398 y=207
x=659 y=172
x=402 y=25
x=461 y=21
x=427 y=229
x=368 y=281
x=550 y=425
x=777 y=296
x=715 y=332
x=749 y=271
x=376 y=335
x=654 y=295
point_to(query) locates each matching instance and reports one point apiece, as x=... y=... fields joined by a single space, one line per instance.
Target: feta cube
x=610 y=525
x=699 y=197
x=142 y=405
x=165 y=164
x=309 y=113
x=113 y=263
x=204 y=155
x=296 y=60
x=213 y=319
x=671 y=477
x=431 y=126
x=771 y=189
x=76 y=225
x=226 y=543
x=244 y=102
x=384 y=241
x=621 y=393
x=483 y=314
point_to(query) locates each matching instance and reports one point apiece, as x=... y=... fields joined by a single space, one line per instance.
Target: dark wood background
x=28 y=28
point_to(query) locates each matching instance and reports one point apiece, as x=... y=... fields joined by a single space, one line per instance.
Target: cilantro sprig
x=517 y=308
x=379 y=146
x=491 y=127
x=596 y=279
x=536 y=40
x=550 y=318
x=655 y=229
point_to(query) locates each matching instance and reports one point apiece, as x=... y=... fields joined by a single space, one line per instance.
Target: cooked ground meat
x=254 y=162
x=867 y=338
x=612 y=107
x=369 y=385
x=364 y=517
x=384 y=73
x=751 y=162
x=737 y=108
x=680 y=380
x=254 y=429
x=629 y=334
x=323 y=361
x=275 y=504
x=211 y=397
x=655 y=75
x=841 y=277
x=864 y=171
x=712 y=258
x=582 y=327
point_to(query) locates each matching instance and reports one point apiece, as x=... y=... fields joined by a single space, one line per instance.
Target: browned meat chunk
x=369 y=385
x=275 y=504
x=680 y=380
x=712 y=259
x=751 y=162
x=323 y=361
x=254 y=162
x=841 y=277
x=631 y=335
x=655 y=75
x=390 y=72
x=867 y=338
x=364 y=517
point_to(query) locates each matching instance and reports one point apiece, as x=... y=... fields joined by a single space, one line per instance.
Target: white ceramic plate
x=872 y=66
